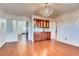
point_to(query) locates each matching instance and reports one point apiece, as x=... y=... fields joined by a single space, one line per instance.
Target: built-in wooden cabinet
x=42 y=35
x=38 y=36
x=39 y=23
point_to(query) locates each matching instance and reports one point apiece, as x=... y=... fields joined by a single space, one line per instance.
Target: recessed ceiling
x=28 y=9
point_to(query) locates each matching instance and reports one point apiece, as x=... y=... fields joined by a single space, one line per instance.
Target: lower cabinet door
x=35 y=36
x=39 y=36
x=42 y=36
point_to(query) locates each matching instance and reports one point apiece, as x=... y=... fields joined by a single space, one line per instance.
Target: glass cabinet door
x=41 y=23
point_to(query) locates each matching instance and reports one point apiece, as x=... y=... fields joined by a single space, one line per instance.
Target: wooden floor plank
x=41 y=48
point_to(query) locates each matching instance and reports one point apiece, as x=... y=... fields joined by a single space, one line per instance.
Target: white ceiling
x=28 y=9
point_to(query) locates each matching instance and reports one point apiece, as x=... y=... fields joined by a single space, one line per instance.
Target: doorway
x=22 y=29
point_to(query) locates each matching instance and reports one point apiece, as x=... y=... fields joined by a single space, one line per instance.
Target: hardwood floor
x=41 y=48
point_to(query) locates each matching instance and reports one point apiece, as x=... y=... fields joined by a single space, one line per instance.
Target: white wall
x=68 y=28
x=21 y=26
x=30 y=30
x=12 y=36
x=53 y=29
x=2 y=31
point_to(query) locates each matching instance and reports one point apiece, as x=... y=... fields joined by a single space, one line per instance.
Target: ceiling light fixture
x=46 y=10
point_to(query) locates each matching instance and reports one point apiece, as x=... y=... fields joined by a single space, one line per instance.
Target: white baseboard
x=7 y=42
x=2 y=44
x=11 y=41
x=69 y=43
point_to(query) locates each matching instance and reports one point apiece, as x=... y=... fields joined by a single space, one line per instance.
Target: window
x=9 y=26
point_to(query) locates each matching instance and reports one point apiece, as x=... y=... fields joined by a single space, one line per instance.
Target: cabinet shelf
x=39 y=23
